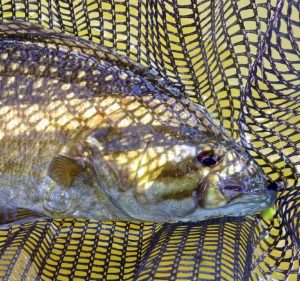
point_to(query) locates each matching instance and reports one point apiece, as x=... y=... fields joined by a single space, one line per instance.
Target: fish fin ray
x=63 y=169
x=11 y=216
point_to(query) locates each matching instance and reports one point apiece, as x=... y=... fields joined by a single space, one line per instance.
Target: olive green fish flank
x=85 y=132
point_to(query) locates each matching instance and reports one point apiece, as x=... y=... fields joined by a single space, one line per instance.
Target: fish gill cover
x=236 y=59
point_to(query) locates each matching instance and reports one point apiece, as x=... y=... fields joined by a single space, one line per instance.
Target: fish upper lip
x=233 y=182
x=233 y=187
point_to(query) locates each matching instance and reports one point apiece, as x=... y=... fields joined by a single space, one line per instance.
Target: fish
x=86 y=132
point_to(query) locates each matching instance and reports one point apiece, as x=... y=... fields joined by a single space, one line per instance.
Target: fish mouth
x=233 y=190
x=248 y=191
x=243 y=184
x=233 y=187
x=239 y=191
x=246 y=204
x=246 y=201
x=250 y=203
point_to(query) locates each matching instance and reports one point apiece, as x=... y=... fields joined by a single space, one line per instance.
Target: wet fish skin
x=61 y=96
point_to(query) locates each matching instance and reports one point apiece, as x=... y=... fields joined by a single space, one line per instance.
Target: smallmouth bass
x=86 y=132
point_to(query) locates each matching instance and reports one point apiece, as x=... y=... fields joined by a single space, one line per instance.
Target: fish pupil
x=209 y=161
x=207 y=158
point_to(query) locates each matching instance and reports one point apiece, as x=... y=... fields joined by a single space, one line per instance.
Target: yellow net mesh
x=89 y=250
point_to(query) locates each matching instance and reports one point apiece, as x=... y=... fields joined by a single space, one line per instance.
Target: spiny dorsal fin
x=63 y=169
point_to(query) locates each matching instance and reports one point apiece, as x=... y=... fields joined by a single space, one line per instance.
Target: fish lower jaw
x=236 y=209
x=254 y=198
x=212 y=204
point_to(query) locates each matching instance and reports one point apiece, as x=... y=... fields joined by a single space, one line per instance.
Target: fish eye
x=208 y=158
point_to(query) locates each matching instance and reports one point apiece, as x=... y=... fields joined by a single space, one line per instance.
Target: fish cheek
x=123 y=175
x=179 y=171
x=168 y=188
x=178 y=181
x=112 y=176
x=208 y=194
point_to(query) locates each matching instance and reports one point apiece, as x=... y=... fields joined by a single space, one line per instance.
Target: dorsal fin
x=63 y=169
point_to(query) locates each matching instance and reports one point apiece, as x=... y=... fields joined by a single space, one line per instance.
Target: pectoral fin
x=63 y=169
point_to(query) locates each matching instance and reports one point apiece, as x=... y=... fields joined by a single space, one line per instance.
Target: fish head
x=178 y=177
x=230 y=180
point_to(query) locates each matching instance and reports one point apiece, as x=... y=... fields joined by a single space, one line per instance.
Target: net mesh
x=77 y=249
x=240 y=60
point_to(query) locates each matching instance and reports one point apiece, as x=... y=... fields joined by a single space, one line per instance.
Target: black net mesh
x=89 y=250
x=240 y=60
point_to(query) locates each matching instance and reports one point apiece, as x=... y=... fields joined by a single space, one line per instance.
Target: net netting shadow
x=238 y=59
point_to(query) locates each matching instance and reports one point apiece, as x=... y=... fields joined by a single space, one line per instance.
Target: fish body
x=85 y=132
